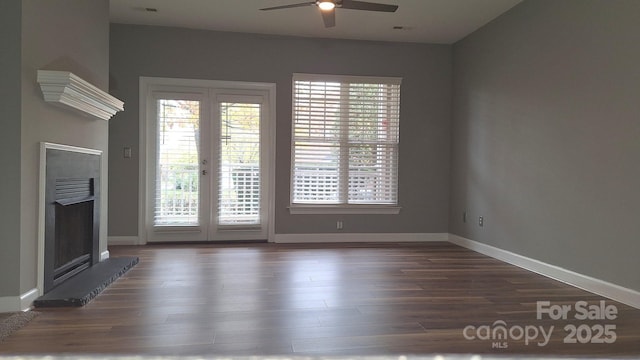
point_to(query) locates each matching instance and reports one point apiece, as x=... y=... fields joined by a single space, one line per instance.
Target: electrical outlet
x=126 y=152
x=480 y=221
x=339 y=225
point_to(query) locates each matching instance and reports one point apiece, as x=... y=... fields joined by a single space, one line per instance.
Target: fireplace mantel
x=66 y=88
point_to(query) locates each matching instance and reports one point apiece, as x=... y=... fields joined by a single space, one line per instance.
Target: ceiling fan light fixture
x=326 y=5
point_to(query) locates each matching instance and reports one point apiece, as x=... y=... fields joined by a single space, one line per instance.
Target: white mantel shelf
x=63 y=87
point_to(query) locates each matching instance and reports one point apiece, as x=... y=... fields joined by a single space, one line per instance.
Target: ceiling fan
x=328 y=8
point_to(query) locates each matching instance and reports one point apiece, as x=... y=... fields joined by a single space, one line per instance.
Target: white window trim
x=349 y=78
x=298 y=209
x=328 y=209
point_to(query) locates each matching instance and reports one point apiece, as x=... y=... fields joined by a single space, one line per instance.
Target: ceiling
x=422 y=21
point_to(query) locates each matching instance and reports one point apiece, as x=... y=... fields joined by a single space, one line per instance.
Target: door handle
x=204 y=162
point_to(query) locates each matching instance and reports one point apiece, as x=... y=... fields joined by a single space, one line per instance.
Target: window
x=345 y=141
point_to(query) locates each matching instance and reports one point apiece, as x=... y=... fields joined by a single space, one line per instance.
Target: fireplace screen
x=73 y=235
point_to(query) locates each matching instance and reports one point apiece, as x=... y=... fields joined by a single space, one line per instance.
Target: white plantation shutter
x=177 y=178
x=345 y=140
x=239 y=184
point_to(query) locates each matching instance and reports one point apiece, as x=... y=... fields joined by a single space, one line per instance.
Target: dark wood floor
x=356 y=299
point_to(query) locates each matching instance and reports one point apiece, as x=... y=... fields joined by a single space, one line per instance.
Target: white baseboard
x=104 y=255
x=18 y=303
x=359 y=237
x=122 y=240
x=612 y=291
x=26 y=299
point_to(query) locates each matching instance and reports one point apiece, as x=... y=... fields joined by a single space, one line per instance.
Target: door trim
x=148 y=84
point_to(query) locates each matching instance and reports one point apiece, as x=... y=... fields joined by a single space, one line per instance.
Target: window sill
x=344 y=209
x=177 y=229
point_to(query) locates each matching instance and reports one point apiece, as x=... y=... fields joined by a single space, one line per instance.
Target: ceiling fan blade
x=290 y=6
x=329 y=18
x=363 y=5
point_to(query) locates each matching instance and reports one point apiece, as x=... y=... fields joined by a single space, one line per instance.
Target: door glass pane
x=177 y=177
x=239 y=186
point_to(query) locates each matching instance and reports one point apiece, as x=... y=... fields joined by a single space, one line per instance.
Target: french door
x=207 y=163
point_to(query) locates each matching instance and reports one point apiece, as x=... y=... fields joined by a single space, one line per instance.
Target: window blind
x=177 y=177
x=345 y=140
x=239 y=185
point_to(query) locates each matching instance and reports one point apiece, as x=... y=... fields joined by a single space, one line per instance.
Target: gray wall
x=10 y=23
x=425 y=112
x=546 y=135
x=70 y=35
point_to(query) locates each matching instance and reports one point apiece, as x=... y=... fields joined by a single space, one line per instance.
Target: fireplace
x=72 y=214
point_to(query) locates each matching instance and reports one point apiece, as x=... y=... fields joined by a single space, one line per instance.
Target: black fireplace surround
x=72 y=215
